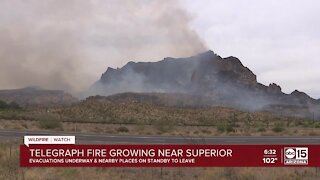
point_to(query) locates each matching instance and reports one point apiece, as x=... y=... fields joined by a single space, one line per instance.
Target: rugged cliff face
x=223 y=81
x=197 y=74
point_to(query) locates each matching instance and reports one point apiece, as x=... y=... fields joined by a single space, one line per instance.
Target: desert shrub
x=11 y=114
x=123 y=129
x=262 y=129
x=225 y=127
x=248 y=176
x=221 y=128
x=12 y=105
x=3 y=104
x=164 y=128
x=205 y=131
x=10 y=111
x=48 y=124
x=313 y=133
x=278 y=127
x=308 y=124
x=68 y=173
x=229 y=128
x=165 y=124
x=299 y=123
x=230 y=173
x=49 y=121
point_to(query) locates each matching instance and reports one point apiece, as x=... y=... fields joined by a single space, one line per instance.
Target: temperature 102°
x=269 y=160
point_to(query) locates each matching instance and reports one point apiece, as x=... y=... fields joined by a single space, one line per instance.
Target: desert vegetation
x=102 y=115
x=6 y=106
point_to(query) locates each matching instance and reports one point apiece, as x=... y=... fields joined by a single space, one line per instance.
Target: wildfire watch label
x=169 y=155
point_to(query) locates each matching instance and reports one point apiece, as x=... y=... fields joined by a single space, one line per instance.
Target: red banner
x=170 y=156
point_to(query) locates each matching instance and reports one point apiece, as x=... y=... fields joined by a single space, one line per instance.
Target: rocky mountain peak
x=198 y=73
x=302 y=97
x=225 y=81
x=274 y=88
x=300 y=94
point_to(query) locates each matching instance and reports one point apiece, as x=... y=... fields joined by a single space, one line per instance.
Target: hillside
x=126 y=108
x=32 y=96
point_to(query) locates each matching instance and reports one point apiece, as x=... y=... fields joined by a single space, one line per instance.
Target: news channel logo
x=296 y=156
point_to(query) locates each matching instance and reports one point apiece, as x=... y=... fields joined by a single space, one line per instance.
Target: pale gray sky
x=279 y=40
x=68 y=44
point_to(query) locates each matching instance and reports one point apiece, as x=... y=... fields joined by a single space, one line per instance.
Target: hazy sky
x=279 y=40
x=68 y=44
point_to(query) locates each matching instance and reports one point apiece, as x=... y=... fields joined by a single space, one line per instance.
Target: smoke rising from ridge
x=59 y=44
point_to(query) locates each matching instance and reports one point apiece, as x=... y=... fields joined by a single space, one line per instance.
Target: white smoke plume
x=59 y=44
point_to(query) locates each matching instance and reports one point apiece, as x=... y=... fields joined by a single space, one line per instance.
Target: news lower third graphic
x=62 y=151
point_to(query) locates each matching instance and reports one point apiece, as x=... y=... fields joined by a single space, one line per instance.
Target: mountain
x=194 y=75
x=34 y=96
x=221 y=81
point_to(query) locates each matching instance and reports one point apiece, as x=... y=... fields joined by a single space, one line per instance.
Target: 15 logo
x=296 y=155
